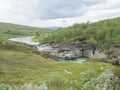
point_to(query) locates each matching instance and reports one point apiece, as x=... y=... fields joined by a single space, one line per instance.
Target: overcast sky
x=61 y=13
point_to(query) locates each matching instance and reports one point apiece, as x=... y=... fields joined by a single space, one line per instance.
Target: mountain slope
x=14 y=29
x=104 y=33
x=9 y=26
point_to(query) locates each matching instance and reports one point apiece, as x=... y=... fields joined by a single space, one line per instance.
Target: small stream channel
x=28 y=40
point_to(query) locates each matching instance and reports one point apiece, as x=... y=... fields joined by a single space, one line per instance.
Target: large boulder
x=114 y=54
x=116 y=61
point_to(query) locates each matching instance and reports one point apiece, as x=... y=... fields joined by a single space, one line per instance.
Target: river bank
x=70 y=52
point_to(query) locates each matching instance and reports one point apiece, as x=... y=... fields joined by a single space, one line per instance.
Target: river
x=28 y=40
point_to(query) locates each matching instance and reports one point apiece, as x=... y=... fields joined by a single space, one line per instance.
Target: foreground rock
x=70 y=50
x=114 y=54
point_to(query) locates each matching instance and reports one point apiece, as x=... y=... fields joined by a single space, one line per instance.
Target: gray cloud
x=54 y=12
x=62 y=8
x=44 y=9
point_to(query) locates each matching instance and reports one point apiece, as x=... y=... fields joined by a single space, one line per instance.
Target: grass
x=20 y=64
x=19 y=67
x=39 y=38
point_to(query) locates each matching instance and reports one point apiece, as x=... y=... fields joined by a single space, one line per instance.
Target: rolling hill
x=8 y=29
x=23 y=68
x=103 y=33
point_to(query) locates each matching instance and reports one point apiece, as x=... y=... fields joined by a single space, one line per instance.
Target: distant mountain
x=10 y=26
x=53 y=28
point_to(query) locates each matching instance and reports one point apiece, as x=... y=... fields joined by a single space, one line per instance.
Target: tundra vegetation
x=103 y=33
x=23 y=68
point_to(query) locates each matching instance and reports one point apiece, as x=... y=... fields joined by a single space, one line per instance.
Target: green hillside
x=23 y=68
x=104 y=33
x=8 y=30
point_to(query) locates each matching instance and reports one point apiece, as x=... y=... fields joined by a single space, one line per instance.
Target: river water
x=28 y=40
x=74 y=60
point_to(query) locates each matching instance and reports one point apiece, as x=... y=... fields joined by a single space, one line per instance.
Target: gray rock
x=88 y=53
x=114 y=54
x=70 y=50
x=116 y=61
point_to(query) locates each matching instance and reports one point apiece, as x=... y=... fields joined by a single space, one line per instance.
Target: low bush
x=26 y=86
x=106 y=81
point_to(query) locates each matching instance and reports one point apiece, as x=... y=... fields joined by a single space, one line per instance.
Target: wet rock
x=70 y=50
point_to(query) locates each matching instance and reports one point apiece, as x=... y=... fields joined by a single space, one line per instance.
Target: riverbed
x=28 y=40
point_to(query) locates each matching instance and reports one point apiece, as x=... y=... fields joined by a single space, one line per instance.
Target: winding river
x=28 y=40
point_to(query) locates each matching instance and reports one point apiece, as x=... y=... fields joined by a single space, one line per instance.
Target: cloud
x=61 y=13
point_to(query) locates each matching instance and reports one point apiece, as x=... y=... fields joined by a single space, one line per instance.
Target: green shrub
x=58 y=83
x=116 y=71
x=26 y=86
x=104 y=82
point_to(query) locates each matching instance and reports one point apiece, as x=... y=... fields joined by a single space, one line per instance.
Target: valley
x=23 y=67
